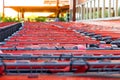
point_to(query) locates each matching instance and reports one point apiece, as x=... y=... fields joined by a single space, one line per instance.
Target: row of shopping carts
x=61 y=47
x=7 y=29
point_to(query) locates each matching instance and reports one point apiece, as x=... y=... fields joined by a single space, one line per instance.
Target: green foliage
x=9 y=19
x=119 y=11
x=95 y=14
x=40 y=19
x=106 y=13
x=0 y=17
x=62 y=19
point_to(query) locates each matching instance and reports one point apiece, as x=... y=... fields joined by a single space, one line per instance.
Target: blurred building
x=94 y=9
x=53 y=2
x=57 y=7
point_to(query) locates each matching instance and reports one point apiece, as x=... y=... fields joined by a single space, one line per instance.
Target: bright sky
x=11 y=12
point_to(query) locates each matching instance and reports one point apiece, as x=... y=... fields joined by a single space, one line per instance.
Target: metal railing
x=98 y=9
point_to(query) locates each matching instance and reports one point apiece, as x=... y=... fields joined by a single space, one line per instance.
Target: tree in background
x=40 y=19
x=62 y=19
x=10 y=19
x=0 y=17
x=119 y=11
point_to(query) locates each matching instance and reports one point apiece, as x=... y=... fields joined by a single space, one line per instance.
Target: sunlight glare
x=12 y=13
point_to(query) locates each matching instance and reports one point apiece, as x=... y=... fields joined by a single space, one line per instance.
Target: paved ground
x=56 y=77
